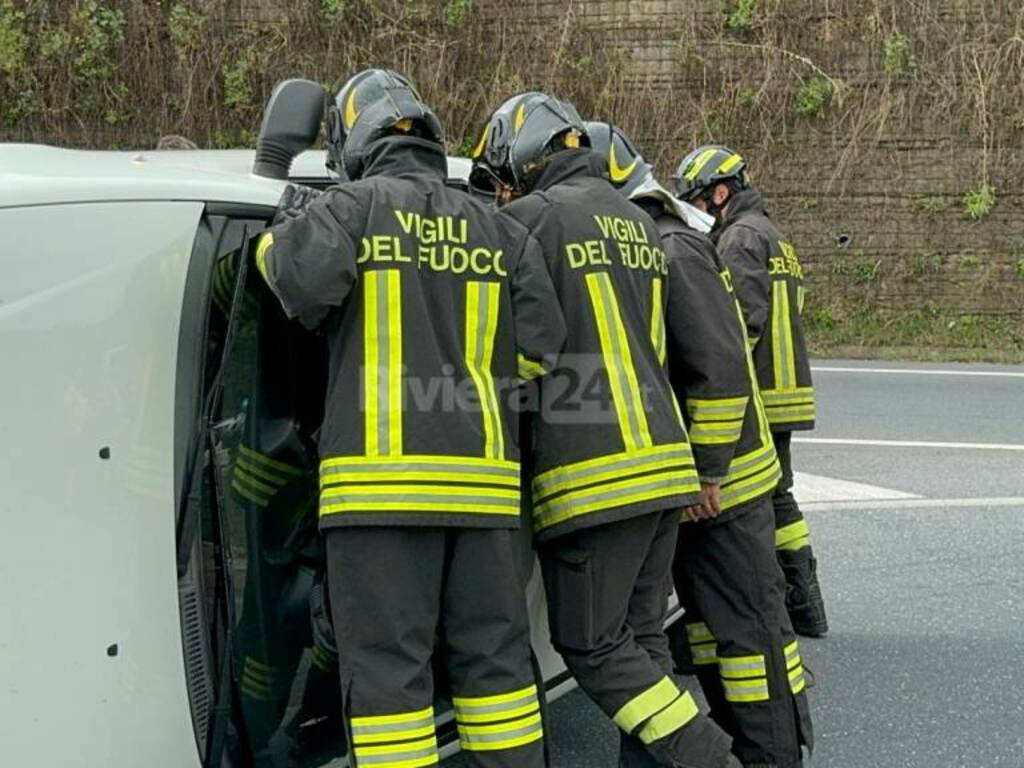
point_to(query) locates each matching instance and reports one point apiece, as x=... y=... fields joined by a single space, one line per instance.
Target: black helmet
x=627 y=168
x=523 y=129
x=707 y=166
x=369 y=106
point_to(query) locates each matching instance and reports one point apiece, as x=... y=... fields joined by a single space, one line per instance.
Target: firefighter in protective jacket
x=769 y=283
x=432 y=306
x=736 y=636
x=609 y=482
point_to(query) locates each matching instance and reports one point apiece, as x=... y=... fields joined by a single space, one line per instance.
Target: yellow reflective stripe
x=797 y=681
x=419 y=506
x=658 y=320
x=399 y=476
x=371 y=369
x=246 y=479
x=698 y=632
x=489 y=738
x=730 y=163
x=394 y=362
x=704 y=653
x=646 y=704
x=782 y=415
x=382 y=339
x=736 y=492
x=482 y=303
x=400 y=717
x=715 y=432
x=746 y=690
x=792 y=532
x=528 y=369
x=245 y=467
x=251 y=495
x=791 y=396
x=801 y=294
x=262 y=458
x=792 y=654
x=322 y=660
x=738 y=667
x=783 y=354
x=265 y=242
x=699 y=163
x=411 y=461
x=472 y=702
x=618 y=361
x=669 y=720
x=406 y=754
x=717 y=409
x=611 y=495
x=412 y=489
x=591 y=471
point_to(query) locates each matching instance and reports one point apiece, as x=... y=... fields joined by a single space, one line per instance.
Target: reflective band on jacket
x=257 y=477
x=408 y=754
x=482 y=302
x=794 y=667
x=645 y=705
x=264 y=682
x=501 y=721
x=618 y=361
x=658 y=321
x=747 y=691
x=744 y=678
x=788 y=534
x=789 y=405
x=783 y=353
x=703 y=646
x=677 y=714
x=266 y=240
x=739 y=667
x=382 y=374
x=455 y=484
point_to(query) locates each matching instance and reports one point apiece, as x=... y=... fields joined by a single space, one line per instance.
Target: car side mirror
x=291 y=124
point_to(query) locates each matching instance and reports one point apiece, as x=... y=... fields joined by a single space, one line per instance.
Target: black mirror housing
x=291 y=125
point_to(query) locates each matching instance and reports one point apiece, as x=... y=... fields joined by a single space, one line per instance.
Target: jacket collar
x=570 y=164
x=405 y=156
x=745 y=201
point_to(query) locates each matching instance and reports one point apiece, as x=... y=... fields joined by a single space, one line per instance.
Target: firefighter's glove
x=293 y=203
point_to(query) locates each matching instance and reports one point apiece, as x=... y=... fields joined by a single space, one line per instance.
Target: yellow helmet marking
x=730 y=163
x=520 y=118
x=619 y=174
x=699 y=163
x=350 y=109
x=572 y=140
x=404 y=125
x=479 y=148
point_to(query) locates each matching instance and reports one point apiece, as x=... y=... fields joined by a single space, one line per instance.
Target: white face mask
x=693 y=217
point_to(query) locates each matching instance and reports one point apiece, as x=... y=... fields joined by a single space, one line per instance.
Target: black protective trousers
x=398 y=594
x=737 y=637
x=607 y=598
x=791 y=531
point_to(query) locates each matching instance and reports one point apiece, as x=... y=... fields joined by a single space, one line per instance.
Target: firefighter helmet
x=371 y=105
x=627 y=168
x=705 y=167
x=524 y=129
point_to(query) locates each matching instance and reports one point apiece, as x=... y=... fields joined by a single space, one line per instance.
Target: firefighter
x=736 y=636
x=612 y=465
x=431 y=305
x=769 y=283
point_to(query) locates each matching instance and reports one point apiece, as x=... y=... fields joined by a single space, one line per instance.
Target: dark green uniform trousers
x=607 y=597
x=394 y=592
x=737 y=638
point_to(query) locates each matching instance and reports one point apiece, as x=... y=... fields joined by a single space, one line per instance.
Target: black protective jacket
x=609 y=443
x=433 y=306
x=711 y=368
x=769 y=282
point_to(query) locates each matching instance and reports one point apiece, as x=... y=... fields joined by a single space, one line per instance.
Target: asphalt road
x=918 y=527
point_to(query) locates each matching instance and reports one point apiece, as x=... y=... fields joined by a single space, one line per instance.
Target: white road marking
x=950 y=504
x=814 y=489
x=918 y=372
x=911 y=444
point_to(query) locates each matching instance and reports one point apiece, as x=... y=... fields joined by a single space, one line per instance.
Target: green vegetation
x=457 y=12
x=13 y=39
x=1020 y=267
x=333 y=10
x=742 y=17
x=897 y=53
x=978 y=203
x=813 y=96
x=237 y=92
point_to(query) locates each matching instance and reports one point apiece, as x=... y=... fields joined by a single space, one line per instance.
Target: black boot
x=803 y=593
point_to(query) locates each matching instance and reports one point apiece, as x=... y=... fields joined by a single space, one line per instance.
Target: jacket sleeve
x=309 y=260
x=539 y=323
x=707 y=354
x=745 y=253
